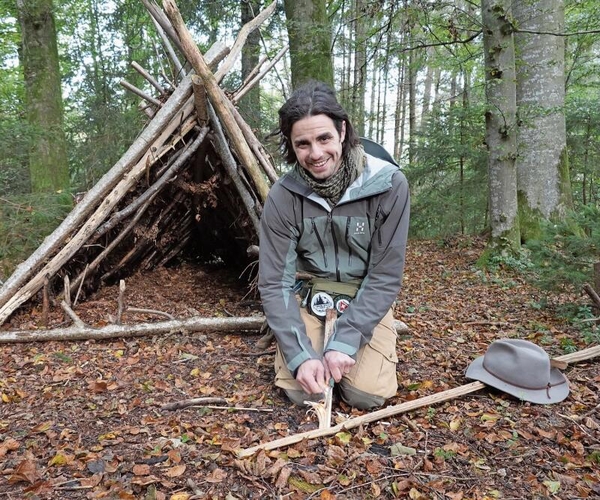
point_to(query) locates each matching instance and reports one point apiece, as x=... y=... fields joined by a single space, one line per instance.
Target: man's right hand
x=311 y=376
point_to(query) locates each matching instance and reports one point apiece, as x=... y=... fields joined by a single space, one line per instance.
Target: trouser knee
x=359 y=399
x=299 y=397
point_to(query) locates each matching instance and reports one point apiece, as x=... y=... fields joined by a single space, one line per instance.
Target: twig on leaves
x=150 y=311
x=581 y=427
x=72 y=314
x=236 y=408
x=178 y=405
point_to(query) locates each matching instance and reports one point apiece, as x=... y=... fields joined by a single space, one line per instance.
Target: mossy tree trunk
x=48 y=162
x=309 y=32
x=542 y=163
x=500 y=120
x=250 y=103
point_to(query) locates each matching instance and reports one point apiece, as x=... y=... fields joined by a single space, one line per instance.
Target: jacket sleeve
x=279 y=235
x=382 y=283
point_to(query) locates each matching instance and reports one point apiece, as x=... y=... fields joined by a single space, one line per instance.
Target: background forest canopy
x=430 y=80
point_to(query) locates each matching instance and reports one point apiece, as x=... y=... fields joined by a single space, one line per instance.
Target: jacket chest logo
x=359 y=228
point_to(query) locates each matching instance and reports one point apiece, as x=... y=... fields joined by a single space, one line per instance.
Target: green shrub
x=25 y=220
x=564 y=256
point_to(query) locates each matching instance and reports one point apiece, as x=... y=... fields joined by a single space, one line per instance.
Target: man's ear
x=343 y=131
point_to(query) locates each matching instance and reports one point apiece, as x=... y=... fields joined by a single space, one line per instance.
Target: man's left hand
x=337 y=364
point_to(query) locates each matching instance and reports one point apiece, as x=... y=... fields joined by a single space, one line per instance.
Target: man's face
x=317 y=145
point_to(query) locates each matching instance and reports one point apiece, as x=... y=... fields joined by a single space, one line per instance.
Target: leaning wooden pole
x=390 y=411
x=218 y=98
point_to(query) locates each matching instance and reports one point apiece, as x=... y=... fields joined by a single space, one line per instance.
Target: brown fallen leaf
x=176 y=471
x=9 y=444
x=216 y=476
x=43 y=427
x=283 y=477
x=26 y=471
x=327 y=495
x=144 y=480
x=39 y=488
x=90 y=482
x=174 y=456
x=141 y=469
x=97 y=386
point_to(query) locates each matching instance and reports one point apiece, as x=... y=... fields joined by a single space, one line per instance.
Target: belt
x=319 y=294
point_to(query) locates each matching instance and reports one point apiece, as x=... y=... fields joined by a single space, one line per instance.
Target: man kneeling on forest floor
x=340 y=215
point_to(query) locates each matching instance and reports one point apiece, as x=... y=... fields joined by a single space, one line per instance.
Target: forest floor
x=85 y=419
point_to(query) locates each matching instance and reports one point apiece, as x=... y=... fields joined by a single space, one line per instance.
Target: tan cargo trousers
x=371 y=380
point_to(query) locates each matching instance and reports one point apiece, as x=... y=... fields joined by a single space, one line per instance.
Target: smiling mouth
x=320 y=164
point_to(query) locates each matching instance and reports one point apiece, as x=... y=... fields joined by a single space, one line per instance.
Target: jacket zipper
x=378 y=228
x=314 y=228
x=335 y=247
x=348 y=241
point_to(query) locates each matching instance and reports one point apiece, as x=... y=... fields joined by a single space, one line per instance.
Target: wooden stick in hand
x=323 y=408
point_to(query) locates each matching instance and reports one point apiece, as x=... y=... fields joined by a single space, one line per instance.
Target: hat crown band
x=525 y=366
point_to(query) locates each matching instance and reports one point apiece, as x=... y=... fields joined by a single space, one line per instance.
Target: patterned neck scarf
x=333 y=188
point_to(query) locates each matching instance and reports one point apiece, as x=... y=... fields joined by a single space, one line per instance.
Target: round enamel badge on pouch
x=342 y=302
x=320 y=302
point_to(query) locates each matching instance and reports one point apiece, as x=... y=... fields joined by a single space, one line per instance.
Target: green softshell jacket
x=362 y=238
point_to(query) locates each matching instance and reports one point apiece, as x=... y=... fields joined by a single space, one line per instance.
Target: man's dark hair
x=312 y=99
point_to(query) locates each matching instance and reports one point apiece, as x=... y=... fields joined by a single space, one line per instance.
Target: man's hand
x=337 y=364
x=311 y=376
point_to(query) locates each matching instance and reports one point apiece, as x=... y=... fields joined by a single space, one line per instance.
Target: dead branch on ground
x=390 y=411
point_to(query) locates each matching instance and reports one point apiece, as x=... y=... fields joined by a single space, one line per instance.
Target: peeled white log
x=75 y=332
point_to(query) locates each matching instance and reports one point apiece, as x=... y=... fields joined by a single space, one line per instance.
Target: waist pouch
x=324 y=294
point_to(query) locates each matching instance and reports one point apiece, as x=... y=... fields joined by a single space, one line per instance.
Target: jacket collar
x=375 y=179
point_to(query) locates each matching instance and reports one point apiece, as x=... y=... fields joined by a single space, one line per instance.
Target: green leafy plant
x=25 y=220
x=564 y=255
x=444 y=454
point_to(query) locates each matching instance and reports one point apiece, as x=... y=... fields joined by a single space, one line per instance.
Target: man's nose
x=316 y=152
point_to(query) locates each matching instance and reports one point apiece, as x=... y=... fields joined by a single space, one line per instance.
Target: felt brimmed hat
x=522 y=369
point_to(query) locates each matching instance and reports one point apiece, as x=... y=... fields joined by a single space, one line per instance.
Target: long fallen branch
x=397 y=409
x=75 y=332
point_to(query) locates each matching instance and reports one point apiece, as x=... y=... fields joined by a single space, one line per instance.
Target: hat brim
x=558 y=392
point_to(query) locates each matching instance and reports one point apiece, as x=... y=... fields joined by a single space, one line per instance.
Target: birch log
x=249 y=323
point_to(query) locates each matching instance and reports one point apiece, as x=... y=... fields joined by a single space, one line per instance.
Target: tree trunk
x=250 y=104
x=542 y=165
x=500 y=120
x=48 y=162
x=309 y=33
x=360 y=68
x=400 y=113
x=412 y=104
x=427 y=85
